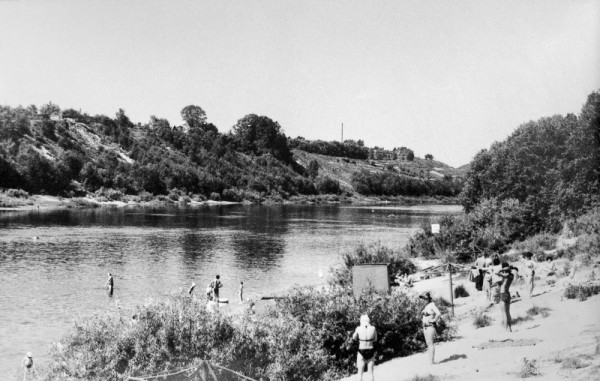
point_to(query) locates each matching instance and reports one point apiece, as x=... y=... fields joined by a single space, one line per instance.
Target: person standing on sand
x=192 y=287
x=529 y=272
x=507 y=277
x=480 y=265
x=27 y=365
x=366 y=335
x=110 y=283
x=241 y=291
x=431 y=314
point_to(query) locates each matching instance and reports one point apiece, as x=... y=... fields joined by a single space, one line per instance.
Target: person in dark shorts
x=507 y=277
x=216 y=285
x=366 y=335
x=431 y=314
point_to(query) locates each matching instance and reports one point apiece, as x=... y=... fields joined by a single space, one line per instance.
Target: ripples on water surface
x=152 y=252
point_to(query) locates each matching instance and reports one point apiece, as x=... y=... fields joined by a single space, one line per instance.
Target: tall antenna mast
x=342 y=133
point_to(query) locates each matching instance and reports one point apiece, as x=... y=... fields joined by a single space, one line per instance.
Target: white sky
x=440 y=77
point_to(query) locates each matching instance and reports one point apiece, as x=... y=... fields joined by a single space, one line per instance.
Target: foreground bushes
x=306 y=336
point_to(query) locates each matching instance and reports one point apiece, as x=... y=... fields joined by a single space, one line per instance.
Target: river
x=53 y=264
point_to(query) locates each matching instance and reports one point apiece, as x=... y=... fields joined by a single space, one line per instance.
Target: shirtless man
x=367 y=336
x=507 y=277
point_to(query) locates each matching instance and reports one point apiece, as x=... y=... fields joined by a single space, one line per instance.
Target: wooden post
x=451 y=290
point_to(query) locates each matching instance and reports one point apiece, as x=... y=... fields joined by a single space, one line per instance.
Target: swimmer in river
x=216 y=285
x=110 y=283
x=27 y=364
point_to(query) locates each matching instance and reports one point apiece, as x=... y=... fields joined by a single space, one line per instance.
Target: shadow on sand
x=452 y=358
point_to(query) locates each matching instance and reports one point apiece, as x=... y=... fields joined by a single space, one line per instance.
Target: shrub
x=537 y=243
x=327 y=185
x=17 y=193
x=582 y=291
x=109 y=194
x=528 y=369
x=460 y=292
x=573 y=363
x=144 y=196
x=372 y=253
x=481 y=320
x=535 y=310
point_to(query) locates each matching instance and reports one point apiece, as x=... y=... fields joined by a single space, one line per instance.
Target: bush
x=460 y=292
x=327 y=185
x=528 y=369
x=305 y=336
x=481 y=320
x=109 y=194
x=17 y=193
x=535 y=310
x=372 y=253
x=582 y=291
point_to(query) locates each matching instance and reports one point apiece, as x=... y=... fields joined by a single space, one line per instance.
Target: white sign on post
x=435 y=228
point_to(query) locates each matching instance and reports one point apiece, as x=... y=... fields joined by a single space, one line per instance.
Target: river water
x=53 y=264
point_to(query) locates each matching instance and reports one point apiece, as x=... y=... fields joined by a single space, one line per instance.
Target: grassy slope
x=336 y=168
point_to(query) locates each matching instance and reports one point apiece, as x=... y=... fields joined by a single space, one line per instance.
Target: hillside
x=342 y=169
x=68 y=153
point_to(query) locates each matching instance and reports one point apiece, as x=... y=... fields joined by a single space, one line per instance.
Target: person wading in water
x=366 y=335
x=27 y=364
x=110 y=283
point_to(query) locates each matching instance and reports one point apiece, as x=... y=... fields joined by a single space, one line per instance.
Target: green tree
x=313 y=169
x=193 y=115
x=49 y=109
x=259 y=135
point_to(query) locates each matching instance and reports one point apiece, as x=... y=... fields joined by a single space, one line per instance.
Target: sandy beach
x=564 y=344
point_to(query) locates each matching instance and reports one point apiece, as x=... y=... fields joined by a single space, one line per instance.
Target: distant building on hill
x=402 y=153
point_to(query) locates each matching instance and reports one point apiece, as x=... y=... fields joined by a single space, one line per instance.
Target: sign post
x=451 y=290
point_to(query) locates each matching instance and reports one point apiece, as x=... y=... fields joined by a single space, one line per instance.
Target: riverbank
x=20 y=200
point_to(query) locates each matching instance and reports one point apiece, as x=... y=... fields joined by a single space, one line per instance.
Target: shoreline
x=47 y=202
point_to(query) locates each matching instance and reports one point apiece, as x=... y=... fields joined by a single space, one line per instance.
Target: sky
x=446 y=78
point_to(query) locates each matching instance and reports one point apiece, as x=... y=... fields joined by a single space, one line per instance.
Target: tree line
x=42 y=153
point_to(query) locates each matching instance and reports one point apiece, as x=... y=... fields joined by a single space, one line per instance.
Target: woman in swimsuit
x=431 y=315
x=366 y=334
x=529 y=272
